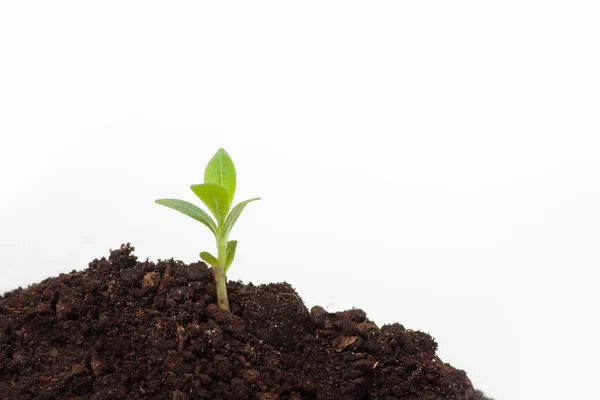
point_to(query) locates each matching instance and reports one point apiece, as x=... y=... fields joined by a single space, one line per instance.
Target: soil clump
x=129 y=329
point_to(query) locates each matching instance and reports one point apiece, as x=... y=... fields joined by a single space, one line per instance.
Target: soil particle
x=124 y=329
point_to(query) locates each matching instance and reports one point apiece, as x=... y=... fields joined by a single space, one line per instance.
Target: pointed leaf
x=234 y=215
x=209 y=258
x=220 y=170
x=216 y=199
x=190 y=210
x=231 y=246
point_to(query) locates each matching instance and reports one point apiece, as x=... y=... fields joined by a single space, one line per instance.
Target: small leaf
x=220 y=170
x=209 y=258
x=234 y=215
x=190 y=210
x=231 y=246
x=215 y=197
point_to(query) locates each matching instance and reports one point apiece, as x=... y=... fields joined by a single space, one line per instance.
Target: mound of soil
x=123 y=329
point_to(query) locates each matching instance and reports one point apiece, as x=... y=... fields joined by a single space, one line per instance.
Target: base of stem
x=221 y=283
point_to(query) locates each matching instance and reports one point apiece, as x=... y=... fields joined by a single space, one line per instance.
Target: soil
x=125 y=329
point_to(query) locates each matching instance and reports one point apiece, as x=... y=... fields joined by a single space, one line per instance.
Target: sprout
x=216 y=193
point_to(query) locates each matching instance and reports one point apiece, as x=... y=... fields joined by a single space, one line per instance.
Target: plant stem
x=222 y=298
x=219 y=271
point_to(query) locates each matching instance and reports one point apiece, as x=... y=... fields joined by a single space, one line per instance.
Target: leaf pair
x=218 y=188
x=212 y=260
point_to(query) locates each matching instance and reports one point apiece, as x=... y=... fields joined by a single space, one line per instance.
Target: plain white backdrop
x=434 y=163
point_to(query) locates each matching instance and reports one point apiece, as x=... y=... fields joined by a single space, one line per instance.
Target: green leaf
x=231 y=246
x=234 y=215
x=220 y=170
x=216 y=199
x=209 y=258
x=190 y=210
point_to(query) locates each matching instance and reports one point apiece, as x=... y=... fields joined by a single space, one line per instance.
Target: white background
x=435 y=164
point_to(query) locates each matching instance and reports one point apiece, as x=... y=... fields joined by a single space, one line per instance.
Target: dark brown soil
x=123 y=329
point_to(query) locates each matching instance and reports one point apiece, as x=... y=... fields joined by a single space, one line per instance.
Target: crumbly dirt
x=124 y=329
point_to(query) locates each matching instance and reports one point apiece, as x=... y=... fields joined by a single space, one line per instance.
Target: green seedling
x=216 y=193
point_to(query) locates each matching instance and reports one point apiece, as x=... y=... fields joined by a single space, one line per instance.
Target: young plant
x=216 y=193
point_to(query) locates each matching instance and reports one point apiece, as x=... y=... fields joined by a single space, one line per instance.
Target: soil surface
x=124 y=329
